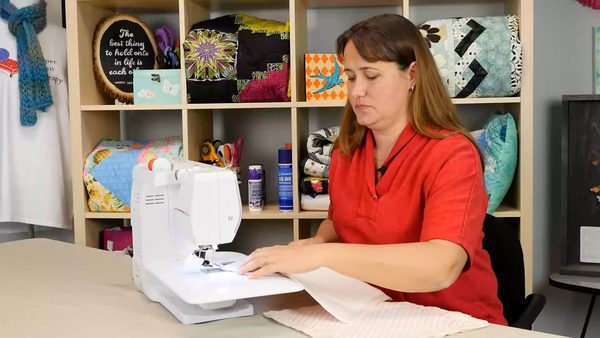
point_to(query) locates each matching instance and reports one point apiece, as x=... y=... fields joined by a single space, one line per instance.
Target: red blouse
x=432 y=189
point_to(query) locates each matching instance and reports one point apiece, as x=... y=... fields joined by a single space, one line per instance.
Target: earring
x=412 y=89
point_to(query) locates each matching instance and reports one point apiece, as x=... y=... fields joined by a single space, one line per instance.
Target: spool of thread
x=159 y=164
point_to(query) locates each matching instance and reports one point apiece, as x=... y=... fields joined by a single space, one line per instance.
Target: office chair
x=502 y=243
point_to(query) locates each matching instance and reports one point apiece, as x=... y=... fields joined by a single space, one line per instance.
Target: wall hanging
x=238 y=58
x=122 y=43
x=325 y=78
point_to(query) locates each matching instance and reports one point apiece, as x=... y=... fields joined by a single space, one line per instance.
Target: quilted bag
x=238 y=58
x=108 y=169
x=477 y=56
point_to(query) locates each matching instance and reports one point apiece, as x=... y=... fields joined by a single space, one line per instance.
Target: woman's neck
x=385 y=139
x=23 y=3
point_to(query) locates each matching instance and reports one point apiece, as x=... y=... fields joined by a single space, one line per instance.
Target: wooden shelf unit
x=93 y=116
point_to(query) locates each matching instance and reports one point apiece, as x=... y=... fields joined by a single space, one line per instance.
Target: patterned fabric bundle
x=477 y=56
x=238 y=58
x=107 y=173
x=313 y=168
x=314 y=183
x=314 y=186
x=320 y=144
x=320 y=147
x=34 y=84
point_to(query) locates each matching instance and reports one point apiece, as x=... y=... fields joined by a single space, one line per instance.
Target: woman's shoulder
x=456 y=147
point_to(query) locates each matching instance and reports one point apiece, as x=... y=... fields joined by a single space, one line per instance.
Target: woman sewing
x=406 y=184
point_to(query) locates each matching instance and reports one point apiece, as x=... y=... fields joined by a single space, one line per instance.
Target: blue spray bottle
x=286 y=190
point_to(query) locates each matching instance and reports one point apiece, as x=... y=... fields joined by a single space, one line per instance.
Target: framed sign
x=122 y=43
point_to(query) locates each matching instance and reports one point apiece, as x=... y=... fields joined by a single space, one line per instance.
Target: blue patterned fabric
x=477 y=56
x=499 y=144
x=115 y=173
x=34 y=84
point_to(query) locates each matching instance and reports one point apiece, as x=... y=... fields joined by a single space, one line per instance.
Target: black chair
x=502 y=243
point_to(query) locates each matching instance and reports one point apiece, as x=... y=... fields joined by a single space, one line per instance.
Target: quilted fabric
x=499 y=144
x=107 y=173
x=320 y=144
x=477 y=56
x=313 y=186
x=238 y=58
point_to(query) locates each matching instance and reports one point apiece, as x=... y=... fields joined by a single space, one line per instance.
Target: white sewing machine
x=179 y=218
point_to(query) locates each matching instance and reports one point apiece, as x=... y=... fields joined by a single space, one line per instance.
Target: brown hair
x=393 y=38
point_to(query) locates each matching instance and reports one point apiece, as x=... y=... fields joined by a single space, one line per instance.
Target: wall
x=54 y=12
x=563 y=33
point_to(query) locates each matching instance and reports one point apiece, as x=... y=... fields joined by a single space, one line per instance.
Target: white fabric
x=351 y=308
x=318 y=202
x=35 y=175
x=334 y=291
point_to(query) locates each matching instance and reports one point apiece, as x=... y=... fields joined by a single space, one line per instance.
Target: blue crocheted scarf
x=34 y=86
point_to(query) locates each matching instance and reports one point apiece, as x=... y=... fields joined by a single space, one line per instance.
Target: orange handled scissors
x=224 y=152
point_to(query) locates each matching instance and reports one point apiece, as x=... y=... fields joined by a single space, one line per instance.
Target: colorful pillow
x=107 y=173
x=499 y=144
x=477 y=56
x=238 y=58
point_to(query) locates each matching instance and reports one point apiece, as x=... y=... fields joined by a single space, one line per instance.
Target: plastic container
x=255 y=188
x=286 y=189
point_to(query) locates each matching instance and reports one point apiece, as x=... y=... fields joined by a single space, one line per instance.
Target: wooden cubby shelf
x=273 y=105
x=271 y=211
x=93 y=116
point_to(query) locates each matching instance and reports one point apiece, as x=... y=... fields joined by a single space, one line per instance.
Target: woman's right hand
x=308 y=241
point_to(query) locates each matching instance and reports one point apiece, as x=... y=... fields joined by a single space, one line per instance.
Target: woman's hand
x=297 y=258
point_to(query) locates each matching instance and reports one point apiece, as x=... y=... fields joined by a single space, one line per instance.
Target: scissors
x=237 y=150
x=224 y=152
x=209 y=153
x=167 y=42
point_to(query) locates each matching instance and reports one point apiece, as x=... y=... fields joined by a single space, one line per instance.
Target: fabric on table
x=349 y=307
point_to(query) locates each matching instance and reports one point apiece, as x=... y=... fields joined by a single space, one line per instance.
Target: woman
x=406 y=184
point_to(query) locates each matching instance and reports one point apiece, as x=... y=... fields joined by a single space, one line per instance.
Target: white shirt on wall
x=35 y=174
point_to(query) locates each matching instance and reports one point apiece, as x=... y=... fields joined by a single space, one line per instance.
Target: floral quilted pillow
x=477 y=56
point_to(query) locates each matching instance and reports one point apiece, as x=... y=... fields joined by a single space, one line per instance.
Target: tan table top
x=54 y=289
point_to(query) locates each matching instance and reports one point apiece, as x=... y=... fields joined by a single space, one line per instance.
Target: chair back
x=502 y=243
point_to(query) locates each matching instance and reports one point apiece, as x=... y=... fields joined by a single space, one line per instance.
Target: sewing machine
x=180 y=214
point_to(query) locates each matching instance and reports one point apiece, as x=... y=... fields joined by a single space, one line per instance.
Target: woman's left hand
x=283 y=259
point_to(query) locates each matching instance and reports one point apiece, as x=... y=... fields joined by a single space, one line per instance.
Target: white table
x=589 y=285
x=53 y=289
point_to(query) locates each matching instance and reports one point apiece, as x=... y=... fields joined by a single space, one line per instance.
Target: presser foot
x=202 y=255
